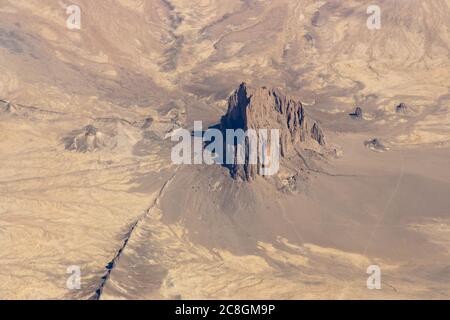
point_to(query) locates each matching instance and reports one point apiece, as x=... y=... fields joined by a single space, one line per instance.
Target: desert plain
x=87 y=179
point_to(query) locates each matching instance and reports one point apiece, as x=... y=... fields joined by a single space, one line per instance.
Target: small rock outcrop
x=263 y=108
x=317 y=134
x=402 y=108
x=376 y=145
x=7 y=107
x=358 y=113
x=88 y=140
x=148 y=122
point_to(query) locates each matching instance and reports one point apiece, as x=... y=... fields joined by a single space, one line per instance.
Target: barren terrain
x=86 y=177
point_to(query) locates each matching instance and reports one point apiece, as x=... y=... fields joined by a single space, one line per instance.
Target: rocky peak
x=264 y=108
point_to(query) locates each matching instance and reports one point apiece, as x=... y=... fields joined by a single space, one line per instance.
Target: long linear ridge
x=113 y=263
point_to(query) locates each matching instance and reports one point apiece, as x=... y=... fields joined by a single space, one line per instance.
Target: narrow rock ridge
x=113 y=263
x=31 y=112
x=264 y=108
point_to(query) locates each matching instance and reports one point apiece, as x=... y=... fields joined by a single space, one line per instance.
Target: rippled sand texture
x=138 y=69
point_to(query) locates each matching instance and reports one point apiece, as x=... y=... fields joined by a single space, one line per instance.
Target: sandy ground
x=137 y=70
x=314 y=245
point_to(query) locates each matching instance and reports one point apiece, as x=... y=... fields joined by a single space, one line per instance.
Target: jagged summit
x=255 y=108
x=264 y=108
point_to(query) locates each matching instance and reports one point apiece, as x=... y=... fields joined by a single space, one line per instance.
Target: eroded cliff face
x=264 y=108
